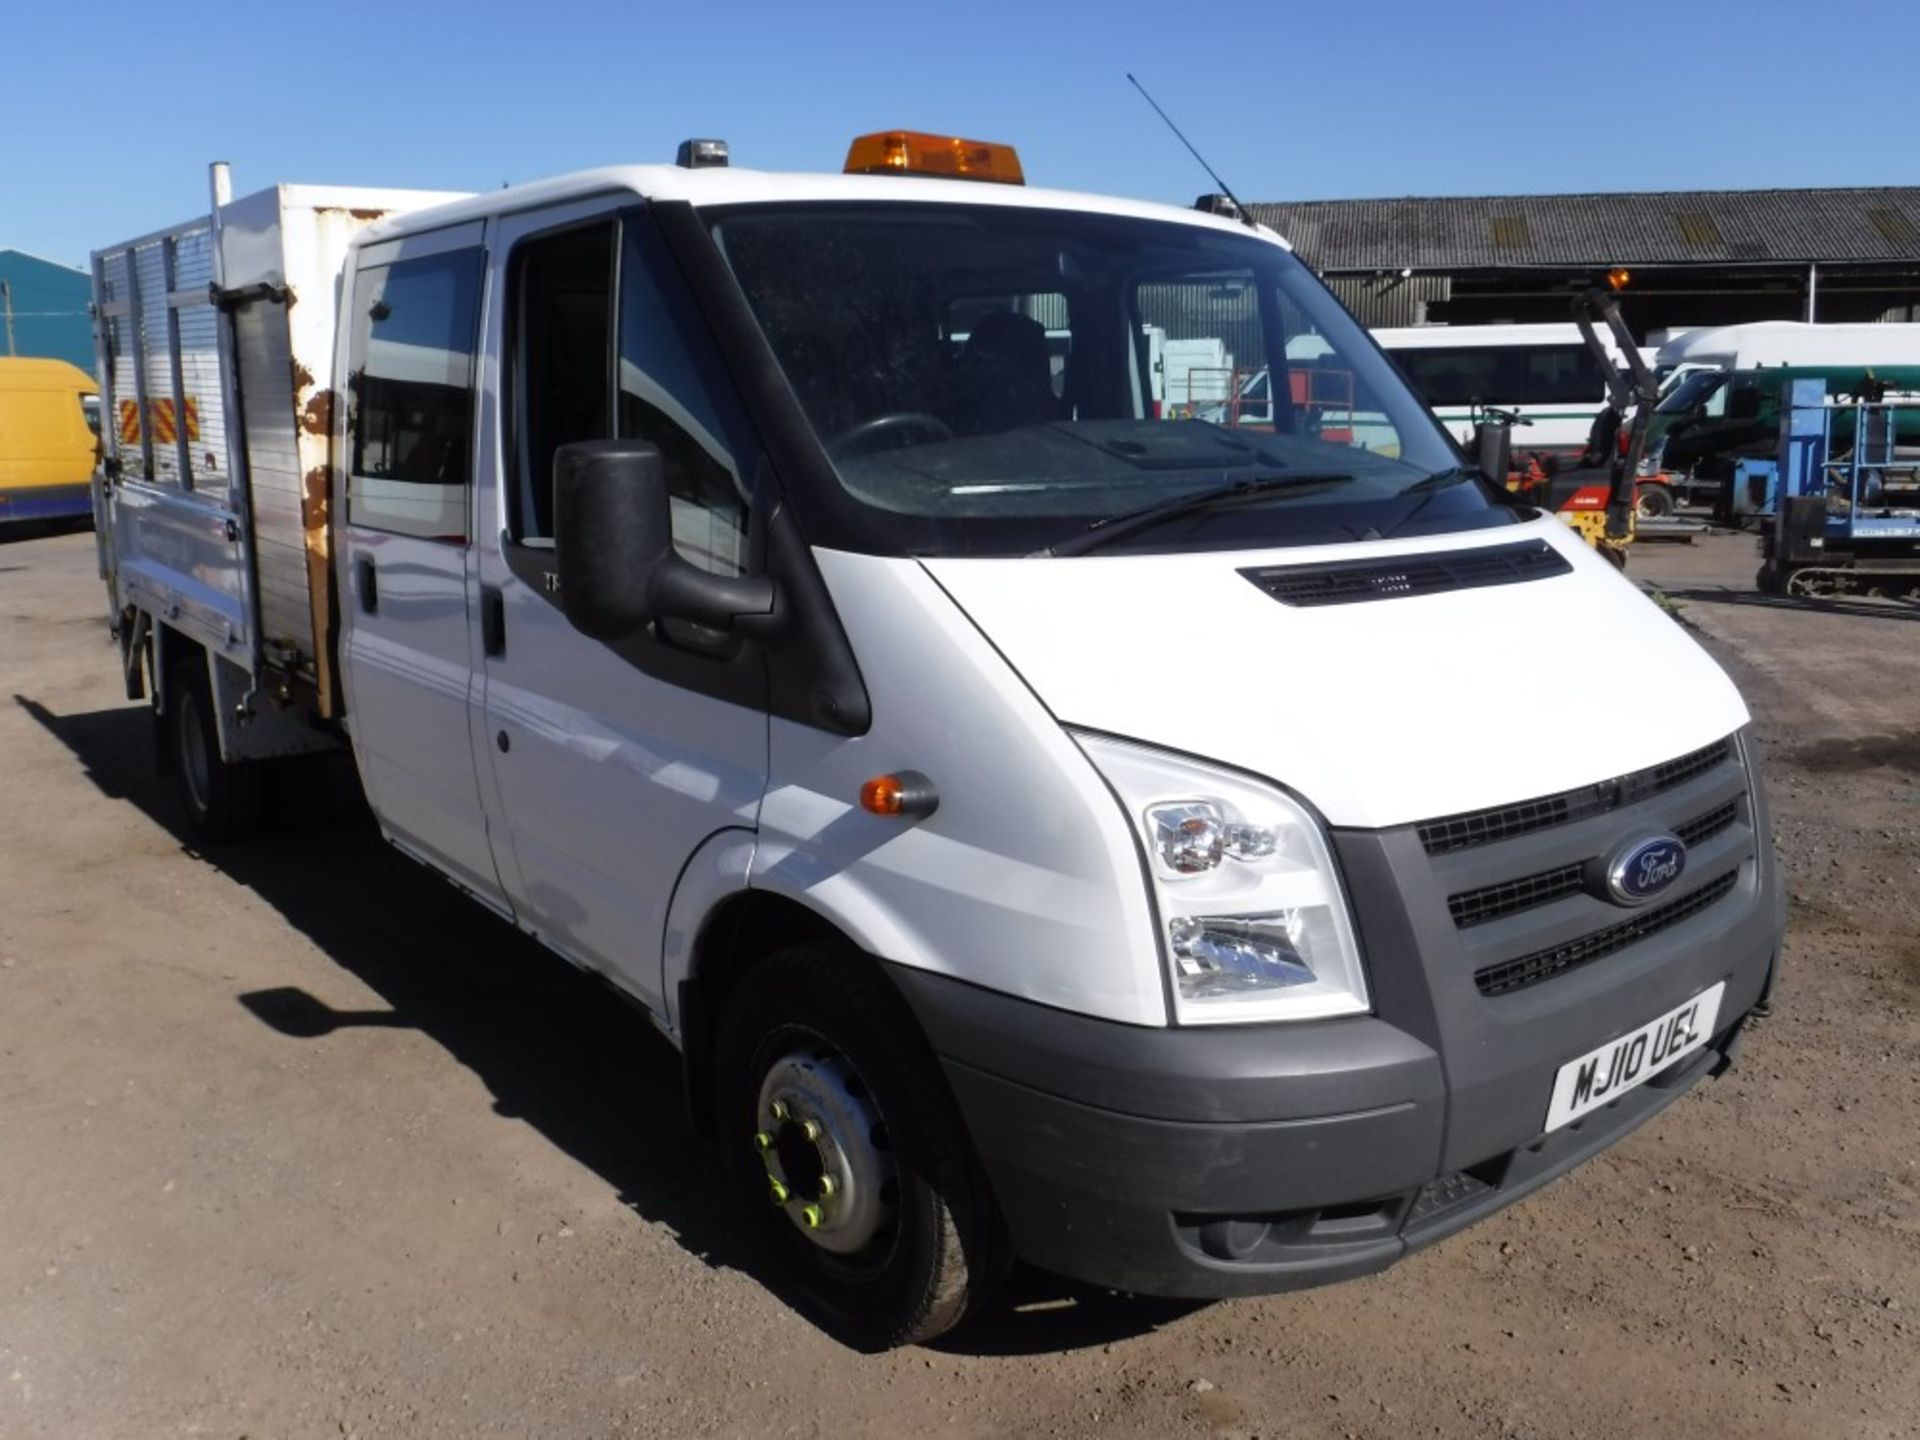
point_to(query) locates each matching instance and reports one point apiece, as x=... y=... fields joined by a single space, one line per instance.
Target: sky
x=111 y=109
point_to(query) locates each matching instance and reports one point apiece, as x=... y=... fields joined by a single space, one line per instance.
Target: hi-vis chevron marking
x=160 y=418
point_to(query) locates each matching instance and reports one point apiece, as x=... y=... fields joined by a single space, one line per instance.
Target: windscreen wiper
x=1113 y=527
x=1429 y=487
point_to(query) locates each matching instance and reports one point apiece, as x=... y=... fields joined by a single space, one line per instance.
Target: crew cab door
x=610 y=762
x=412 y=323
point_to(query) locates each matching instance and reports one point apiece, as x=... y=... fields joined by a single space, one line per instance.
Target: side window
x=1458 y=377
x=411 y=395
x=1563 y=375
x=1743 y=400
x=671 y=391
x=1211 y=340
x=1230 y=355
x=562 y=318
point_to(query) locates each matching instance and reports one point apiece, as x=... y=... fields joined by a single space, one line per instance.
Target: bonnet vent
x=1346 y=582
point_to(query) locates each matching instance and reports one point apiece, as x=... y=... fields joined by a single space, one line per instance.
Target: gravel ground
x=295 y=1141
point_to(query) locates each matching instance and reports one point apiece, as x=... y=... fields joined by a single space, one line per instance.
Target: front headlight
x=1256 y=925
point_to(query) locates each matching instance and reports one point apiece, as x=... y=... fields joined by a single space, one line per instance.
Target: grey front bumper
x=1245 y=1159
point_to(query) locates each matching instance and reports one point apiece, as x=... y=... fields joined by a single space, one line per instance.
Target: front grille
x=1345 y=582
x=1503 y=822
x=1511 y=975
x=1708 y=825
x=1509 y=897
x=1490 y=902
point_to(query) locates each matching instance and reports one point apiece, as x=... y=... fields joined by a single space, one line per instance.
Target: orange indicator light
x=881 y=795
x=906 y=793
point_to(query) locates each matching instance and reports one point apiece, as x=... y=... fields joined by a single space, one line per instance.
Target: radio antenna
x=1213 y=174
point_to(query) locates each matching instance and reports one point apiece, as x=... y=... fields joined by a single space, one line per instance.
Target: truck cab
x=1046 y=829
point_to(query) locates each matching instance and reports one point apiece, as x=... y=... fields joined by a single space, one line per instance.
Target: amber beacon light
x=905 y=794
x=910 y=152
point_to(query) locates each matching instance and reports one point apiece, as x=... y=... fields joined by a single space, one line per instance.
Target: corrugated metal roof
x=1676 y=227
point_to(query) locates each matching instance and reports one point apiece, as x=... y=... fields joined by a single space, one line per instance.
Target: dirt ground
x=295 y=1141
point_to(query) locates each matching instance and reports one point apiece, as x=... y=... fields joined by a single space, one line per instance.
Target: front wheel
x=843 y=1144
x=1654 y=502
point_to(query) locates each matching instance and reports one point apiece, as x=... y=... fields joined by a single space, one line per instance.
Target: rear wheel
x=843 y=1144
x=1653 y=502
x=222 y=800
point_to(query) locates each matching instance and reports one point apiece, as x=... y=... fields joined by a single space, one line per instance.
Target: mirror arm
x=742 y=604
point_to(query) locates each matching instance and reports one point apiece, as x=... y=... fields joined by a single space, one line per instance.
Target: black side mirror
x=1493 y=452
x=613 y=549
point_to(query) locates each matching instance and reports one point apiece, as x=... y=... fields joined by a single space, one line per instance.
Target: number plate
x=1636 y=1057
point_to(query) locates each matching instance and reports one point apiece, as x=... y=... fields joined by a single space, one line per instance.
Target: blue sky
x=1288 y=99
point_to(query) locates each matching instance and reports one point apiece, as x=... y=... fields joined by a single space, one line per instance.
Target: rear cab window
x=410 y=394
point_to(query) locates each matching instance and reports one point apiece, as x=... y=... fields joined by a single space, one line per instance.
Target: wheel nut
x=778 y=1110
x=811 y=1217
x=827 y=1187
x=811 y=1129
x=763 y=1141
x=778 y=1191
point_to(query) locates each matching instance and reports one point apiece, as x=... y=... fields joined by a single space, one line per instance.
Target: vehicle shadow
x=551 y=1044
x=14 y=531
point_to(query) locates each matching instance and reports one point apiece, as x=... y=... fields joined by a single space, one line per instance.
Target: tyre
x=222 y=801
x=1653 y=502
x=843 y=1144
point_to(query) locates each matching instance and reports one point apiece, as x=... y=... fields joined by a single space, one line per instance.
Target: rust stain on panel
x=316 y=416
x=315 y=503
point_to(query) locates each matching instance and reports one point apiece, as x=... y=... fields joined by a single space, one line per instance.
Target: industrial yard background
x=1702 y=257
x=44 y=306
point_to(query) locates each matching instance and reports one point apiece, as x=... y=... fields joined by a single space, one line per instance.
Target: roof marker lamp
x=1256 y=927
x=912 y=152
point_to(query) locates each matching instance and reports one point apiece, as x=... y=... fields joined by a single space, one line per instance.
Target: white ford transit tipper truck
x=1044 y=829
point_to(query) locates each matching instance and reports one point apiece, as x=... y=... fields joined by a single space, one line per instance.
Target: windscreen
x=1694 y=388
x=993 y=379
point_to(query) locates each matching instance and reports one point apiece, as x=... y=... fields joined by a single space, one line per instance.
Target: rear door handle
x=493 y=620
x=369 y=585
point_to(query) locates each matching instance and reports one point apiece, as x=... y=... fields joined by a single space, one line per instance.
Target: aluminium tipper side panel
x=175 y=545
x=283 y=252
x=162 y=415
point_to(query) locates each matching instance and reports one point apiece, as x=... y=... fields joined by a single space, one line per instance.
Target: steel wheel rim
x=827 y=1155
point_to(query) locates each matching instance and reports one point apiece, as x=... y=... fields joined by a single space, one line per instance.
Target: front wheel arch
x=741 y=931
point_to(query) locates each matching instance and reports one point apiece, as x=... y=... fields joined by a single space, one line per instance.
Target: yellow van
x=49 y=419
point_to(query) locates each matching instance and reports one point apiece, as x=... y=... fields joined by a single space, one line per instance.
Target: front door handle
x=493 y=620
x=369 y=585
